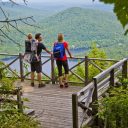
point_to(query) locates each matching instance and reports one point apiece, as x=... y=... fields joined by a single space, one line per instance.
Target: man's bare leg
x=39 y=75
x=32 y=78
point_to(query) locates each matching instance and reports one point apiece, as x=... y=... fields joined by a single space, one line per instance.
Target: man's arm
x=45 y=49
x=48 y=51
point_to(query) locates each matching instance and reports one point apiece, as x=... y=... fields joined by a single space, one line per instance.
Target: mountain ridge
x=81 y=28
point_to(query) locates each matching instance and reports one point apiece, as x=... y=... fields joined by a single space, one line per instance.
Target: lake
x=47 y=67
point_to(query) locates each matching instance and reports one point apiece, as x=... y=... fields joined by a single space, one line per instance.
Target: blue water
x=46 y=67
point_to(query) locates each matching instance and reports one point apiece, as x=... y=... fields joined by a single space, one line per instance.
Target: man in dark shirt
x=37 y=66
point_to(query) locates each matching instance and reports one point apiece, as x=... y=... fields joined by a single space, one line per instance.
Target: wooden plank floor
x=52 y=105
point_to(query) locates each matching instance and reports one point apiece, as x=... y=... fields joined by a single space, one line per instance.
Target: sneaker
x=61 y=86
x=41 y=85
x=32 y=84
x=66 y=85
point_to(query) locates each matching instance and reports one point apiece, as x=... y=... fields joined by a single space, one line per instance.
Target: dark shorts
x=63 y=64
x=36 y=66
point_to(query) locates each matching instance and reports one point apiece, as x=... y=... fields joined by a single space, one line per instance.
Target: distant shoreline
x=74 y=51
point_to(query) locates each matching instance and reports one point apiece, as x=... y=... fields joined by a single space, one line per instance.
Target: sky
x=54 y=1
x=59 y=1
x=66 y=1
x=69 y=3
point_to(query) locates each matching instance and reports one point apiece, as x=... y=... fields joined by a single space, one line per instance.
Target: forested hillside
x=81 y=28
x=15 y=11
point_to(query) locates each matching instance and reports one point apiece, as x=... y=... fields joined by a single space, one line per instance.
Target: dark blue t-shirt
x=40 y=47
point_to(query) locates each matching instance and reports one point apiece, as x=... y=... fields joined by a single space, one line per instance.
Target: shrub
x=9 y=115
x=17 y=120
x=114 y=109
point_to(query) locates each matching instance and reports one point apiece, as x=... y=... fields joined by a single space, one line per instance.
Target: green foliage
x=113 y=109
x=9 y=114
x=5 y=72
x=121 y=11
x=80 y=30
x=6 y=84
x=86 y=127
x=26 y=66
x=17 y=120
x=93 y=71
x=80 y=70
x=97 y=53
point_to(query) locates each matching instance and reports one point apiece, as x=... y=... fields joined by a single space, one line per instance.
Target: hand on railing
x=51 y=53
x=23 y=56
x=71 y=56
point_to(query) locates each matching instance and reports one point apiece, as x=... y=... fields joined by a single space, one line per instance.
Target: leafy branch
x=121 y=11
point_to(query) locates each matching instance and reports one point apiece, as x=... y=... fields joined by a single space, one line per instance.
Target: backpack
x=58 y=50
x=30 y=46
x=34 y=57
x=27 y=46
x=31 y=51
x=33 y=45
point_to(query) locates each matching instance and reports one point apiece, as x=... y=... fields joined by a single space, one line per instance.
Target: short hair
x=37 y=36
x=60 y=37
x=29 y=36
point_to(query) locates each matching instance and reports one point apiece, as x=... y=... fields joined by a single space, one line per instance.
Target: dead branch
x=13 y=23
x=3 y=12
x=9 y=37
x=14 y=2
x=14 y=20
x=30 y=24
x=16 y=29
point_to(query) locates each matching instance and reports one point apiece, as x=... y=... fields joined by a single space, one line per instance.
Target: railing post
x=75 y=110
x=95 y=102
x=112 y=79
x=86 y=70
x=52 y=69
x=0 y=74
x=124 y=70
x=21 y=67
x=19 y=100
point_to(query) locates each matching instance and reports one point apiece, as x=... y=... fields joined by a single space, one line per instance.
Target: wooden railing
x=53 y=77
x=87 y=98
x=89 y=95
x=18 y=101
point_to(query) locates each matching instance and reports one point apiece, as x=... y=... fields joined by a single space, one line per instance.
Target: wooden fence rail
x=17 y=101
x=53 y=77
x=87 y=98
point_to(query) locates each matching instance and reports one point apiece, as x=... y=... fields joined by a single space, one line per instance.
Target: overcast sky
x=59 y=1
x=53 y=1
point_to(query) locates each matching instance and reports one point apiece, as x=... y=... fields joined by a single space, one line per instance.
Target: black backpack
x=27 y=46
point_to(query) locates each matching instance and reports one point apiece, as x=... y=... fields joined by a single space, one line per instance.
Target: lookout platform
x=71 y=107
x=52 y=105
